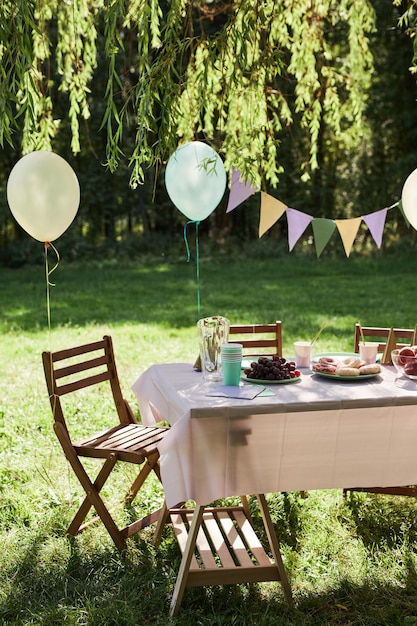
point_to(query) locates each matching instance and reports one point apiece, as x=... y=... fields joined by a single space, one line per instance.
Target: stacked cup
x=231 y=356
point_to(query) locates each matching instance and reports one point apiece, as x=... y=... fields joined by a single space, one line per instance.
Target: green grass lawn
x=349 y=561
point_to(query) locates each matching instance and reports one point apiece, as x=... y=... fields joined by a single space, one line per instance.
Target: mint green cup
x=231 y=357
x=231 y=372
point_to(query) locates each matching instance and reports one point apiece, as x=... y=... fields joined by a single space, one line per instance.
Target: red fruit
x=411 y=368
x=297 y=373
x=405 y=354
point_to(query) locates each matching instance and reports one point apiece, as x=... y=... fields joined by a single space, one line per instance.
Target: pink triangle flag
x=239 y=191
x=376 y=222
x=297 y=223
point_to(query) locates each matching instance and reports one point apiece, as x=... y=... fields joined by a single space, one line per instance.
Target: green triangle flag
x=400 y=206
x=323 y=229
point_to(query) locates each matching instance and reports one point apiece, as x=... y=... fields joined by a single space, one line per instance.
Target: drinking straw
x=319 y=333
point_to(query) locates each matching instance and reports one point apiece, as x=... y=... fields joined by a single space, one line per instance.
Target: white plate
x=339 y=356
x=258 y=381
x=346 y=378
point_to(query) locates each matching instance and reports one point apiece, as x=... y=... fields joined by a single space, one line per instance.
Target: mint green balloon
x=195 y=180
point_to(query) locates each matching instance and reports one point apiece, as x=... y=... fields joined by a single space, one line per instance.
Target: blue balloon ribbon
x=197 y=257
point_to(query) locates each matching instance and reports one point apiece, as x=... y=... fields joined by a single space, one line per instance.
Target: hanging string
x=197 y=261
x=48 y=273
x=197 y=257
x=49 y=284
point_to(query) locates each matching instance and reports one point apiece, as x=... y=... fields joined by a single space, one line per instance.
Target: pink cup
x=368 y=351
x=302 y=353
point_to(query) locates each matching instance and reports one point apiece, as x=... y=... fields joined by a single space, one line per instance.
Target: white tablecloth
x=313 y=434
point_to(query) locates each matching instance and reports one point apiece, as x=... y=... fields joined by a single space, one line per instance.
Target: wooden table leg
x=181 y=581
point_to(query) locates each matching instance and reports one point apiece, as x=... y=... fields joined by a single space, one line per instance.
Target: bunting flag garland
x=297 y=223
x=271 y=210
x=376 y=222
x=239 y=191
x=323 y=229
x=348 y=230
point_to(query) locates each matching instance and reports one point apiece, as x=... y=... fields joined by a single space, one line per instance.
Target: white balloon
x=195 y=179
x=43 y=194
x=409 y=199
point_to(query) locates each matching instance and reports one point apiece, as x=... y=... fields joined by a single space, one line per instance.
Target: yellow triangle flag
x=348 y=230
x=271 y=211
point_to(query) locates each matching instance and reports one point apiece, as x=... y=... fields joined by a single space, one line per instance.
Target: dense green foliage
x=235 y=73
x=350 y=562
x=314 y=100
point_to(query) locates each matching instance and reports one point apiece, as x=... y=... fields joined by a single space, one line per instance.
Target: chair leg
x=163 y=519
x=93 y=499
x=150 y=464
x=76 y=525
x=274 y=544
x=182 y=575
x=91 y=489
x=246 y=508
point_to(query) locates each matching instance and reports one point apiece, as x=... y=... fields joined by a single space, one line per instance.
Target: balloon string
x=48 y=272
x=186 y=241
x=197 y=254
x=197 y=261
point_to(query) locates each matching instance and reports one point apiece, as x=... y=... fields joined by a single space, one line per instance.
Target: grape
x=272 y=368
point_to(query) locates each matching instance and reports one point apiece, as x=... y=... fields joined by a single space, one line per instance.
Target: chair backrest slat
x=83 y=366
x=59 y=355
x=76 y=385
x=73 y=369
x=258 y=339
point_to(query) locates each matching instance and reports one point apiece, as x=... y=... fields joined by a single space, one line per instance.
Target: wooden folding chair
x=258 y=339
x=403 y=337
x=74 y=370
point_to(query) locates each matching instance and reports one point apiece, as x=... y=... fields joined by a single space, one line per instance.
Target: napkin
x=245 y=392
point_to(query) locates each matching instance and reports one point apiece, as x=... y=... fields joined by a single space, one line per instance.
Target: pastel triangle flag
x=323 y=229
x=348 y=230
x=400 y=206
x=239 y=191
x=271 y=211
x=297 y=223
x=376 y=222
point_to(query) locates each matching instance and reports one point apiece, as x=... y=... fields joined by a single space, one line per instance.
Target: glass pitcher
x=212 y=333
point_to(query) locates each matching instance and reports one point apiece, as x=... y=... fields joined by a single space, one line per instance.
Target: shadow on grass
x=56 y=581
x=383 y=520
